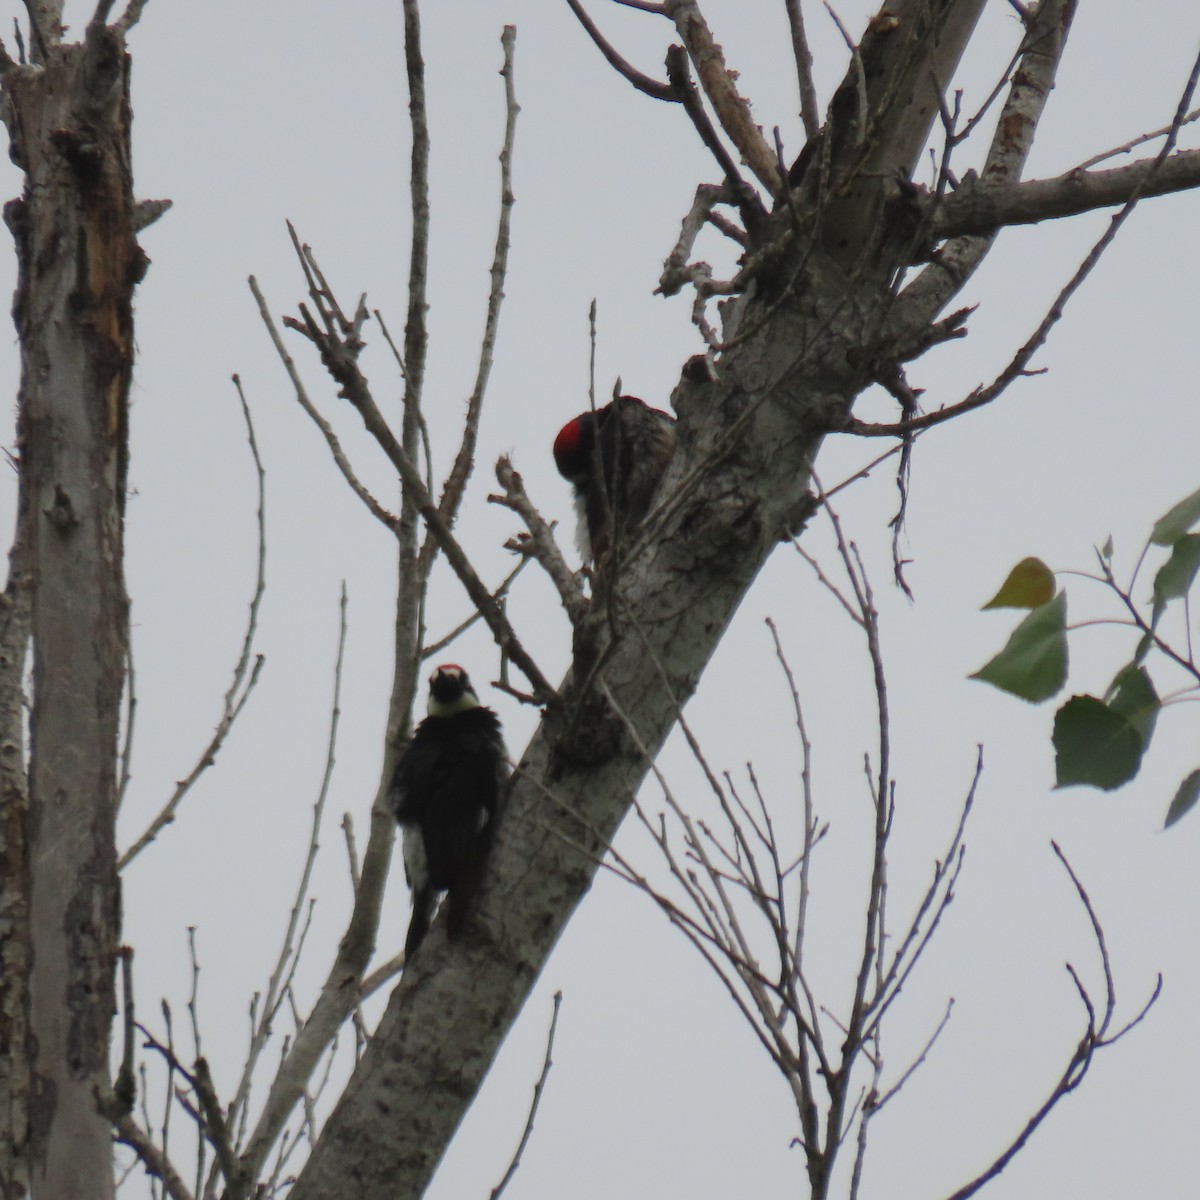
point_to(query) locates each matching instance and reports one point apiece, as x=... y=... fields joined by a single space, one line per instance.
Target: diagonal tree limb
x=1019 y=364
x=129 y=1133
x=881 y=117
x=339 y=354
x=376 y=509
x=1040 y=53
x=677 y=71
x=732 y=109
x=643 y=83
x=339 y=995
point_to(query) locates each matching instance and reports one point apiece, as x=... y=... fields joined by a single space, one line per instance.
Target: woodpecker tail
x=423 y=904
x=460 y=899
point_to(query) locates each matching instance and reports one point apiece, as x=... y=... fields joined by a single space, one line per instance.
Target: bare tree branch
x=533 y=1107
x=1095 y=1036
x=1019 y=364
x=643 y=83
x=129 y=1133
x=130 y=17
x=733 y=110
x=499 y=595
x=743 y=194
x=541 y=544
x=289 y=953
x=1032 y=82
x=809 y=112
x=245 y=676
x=331 y=439
x=464 y=462
x=982 y=209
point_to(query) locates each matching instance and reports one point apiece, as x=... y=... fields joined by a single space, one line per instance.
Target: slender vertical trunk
x=14 y=883
x=69 y=124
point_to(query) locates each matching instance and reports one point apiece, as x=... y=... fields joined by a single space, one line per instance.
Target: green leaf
x=1107 y=552
x=1030 y=584
x=1094 y=745
x=1033 y=664
x=1133 y=697
x=1175 y=576
x=1185 y=799
x=1170 y=527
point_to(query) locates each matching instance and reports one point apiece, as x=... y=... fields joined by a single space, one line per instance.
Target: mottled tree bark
x=69 y=124
x=805 y=343
x=14 y=883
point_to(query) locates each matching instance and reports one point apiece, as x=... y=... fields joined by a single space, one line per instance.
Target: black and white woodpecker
x=614 y=458
x=445 y=793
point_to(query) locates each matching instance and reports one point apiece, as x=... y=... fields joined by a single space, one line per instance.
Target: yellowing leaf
x=1030 y=584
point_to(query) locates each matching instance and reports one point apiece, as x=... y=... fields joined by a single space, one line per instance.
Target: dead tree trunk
x=68 y=119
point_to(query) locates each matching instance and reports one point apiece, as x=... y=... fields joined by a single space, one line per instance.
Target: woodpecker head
x=573 y=448
x=614 y=458
x=450 y=691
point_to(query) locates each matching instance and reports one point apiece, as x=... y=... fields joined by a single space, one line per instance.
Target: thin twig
x=351 y=850
x=339 y=346
x=245 y=676
x=435 y=648
x=918 y=1062
x=1141 y=139
x=643 y=83
x=217 y=1130
x=464 y=462
x=533 y=1107
x=127 y=742
x=289 y=952
x=1019 y=364
x=1094 y=1037
x=331 y=439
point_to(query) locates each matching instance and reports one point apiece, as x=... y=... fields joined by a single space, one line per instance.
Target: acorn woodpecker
x=627 y=445
x=445 y=794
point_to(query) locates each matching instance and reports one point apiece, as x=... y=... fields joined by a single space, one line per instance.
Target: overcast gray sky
x=250 y=113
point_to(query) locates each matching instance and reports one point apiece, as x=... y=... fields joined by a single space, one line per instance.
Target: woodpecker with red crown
x=445 y=794
x=614 y=458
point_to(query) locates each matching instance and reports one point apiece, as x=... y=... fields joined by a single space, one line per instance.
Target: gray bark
x=14 y=883
x=737 y=485
x=977 y=208
x=68 y=120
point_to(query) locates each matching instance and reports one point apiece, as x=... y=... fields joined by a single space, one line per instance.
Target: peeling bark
x=68 y=119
